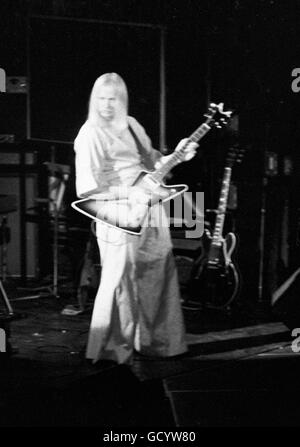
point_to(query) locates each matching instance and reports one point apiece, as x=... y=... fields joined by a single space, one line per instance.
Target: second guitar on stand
x=215 y=278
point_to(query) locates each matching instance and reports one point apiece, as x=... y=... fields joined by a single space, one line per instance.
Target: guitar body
x=215 y=279
x=158 y=190
x=120 y=213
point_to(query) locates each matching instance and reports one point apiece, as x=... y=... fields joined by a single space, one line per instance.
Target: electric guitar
x=119 y=212
x=215 y=279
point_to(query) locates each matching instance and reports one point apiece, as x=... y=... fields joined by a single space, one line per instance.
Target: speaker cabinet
x=13 y=117
x=10 y=184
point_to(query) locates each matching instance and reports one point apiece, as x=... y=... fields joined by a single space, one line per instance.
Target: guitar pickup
x=213 y=263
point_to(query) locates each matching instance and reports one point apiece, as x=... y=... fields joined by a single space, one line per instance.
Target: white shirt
x=104 y=159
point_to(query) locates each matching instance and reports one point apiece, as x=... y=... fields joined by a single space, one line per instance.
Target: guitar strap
x=145 y=156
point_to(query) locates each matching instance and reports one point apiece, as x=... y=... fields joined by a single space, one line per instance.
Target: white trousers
x=137 y=306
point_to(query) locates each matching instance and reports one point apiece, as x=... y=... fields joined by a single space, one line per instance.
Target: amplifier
x=12 y=156
x=7 y=138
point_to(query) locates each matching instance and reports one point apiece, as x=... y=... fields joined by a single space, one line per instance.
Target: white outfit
x=137 y=305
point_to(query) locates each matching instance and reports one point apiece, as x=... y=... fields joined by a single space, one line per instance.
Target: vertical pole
x=208 y=78
x=262 y=241
x=28 y=115
x=162 y=114
x=22 y=172
x=55 y=249
x=22 y=197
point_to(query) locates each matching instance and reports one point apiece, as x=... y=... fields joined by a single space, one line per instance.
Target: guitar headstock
x=216 y=116
x=235 y=155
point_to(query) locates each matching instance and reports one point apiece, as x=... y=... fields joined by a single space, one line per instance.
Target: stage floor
x=240 y=371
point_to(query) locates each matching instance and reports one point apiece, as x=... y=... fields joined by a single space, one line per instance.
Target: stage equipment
x=16 y=84
x=287 y=171
x=89 y=273
x=270 y=170
x=18 y=176
x=59 y=175
x=215 y=279
x=286 y=301
x=57 y=180
x=8 y=204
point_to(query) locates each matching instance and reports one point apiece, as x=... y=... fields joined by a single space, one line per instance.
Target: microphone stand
x=56 y=210
x=55 y=203
x=262 y=240
x=270 y=170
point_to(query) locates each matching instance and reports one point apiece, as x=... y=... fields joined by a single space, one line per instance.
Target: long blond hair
x=114 y=80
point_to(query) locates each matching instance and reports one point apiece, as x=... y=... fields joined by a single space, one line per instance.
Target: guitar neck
x=220 y=218
x=178 y=156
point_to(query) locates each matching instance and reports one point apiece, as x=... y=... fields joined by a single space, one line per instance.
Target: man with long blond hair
x=137 y=306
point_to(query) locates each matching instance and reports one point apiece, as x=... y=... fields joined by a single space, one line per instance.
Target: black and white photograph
x=149 y=217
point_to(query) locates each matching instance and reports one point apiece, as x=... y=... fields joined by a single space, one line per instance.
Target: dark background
x=241 y=53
